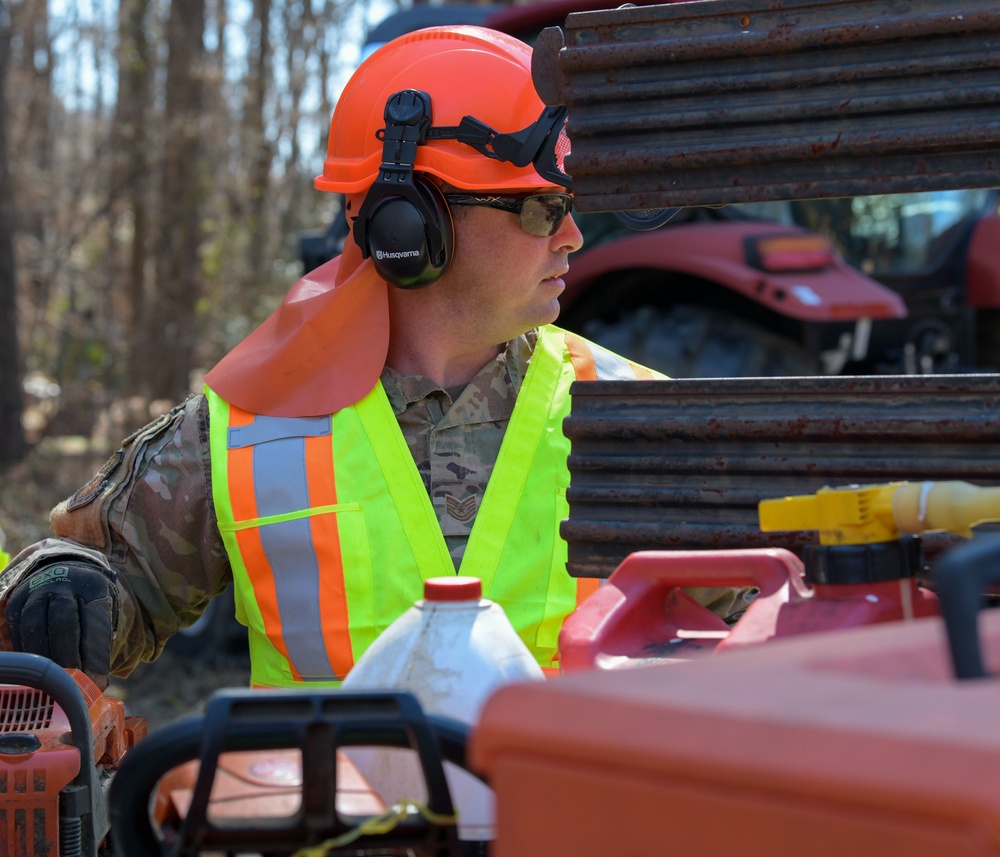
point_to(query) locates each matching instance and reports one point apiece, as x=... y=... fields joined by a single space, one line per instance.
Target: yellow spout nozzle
x=863 y=514
x=855 y=515
x=955 y=507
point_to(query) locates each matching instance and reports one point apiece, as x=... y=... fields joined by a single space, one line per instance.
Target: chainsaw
x=214 y=780
x=61 y=741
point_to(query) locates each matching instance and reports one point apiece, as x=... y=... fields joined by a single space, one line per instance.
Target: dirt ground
x=171 y=688
x=162 y=691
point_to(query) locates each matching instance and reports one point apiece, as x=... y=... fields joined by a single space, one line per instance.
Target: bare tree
x=157 y=219
x=169 y=334
x=29 y=143
x=131 y=170
x=12 y=446
x=258 y=145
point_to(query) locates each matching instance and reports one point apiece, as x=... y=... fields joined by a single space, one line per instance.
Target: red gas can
x=850 y=586
x=642 y=616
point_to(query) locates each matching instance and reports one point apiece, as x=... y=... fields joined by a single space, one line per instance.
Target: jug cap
x=458 y=588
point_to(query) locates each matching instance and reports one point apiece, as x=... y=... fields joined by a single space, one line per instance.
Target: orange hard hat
x=487 y=128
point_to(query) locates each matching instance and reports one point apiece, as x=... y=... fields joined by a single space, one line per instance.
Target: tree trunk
x=258 y=147
x=29 y=146
x=12 y=445
x=170 y=337
x=132 y=167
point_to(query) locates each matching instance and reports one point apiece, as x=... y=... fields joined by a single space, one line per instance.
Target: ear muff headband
x=404 y=224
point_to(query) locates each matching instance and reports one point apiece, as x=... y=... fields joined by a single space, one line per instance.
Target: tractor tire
x=215 y=637
x=689 y=341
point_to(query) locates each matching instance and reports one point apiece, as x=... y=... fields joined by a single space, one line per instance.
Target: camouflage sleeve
x=147 y=514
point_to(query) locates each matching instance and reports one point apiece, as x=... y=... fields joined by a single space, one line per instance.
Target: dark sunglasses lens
x=542 y=214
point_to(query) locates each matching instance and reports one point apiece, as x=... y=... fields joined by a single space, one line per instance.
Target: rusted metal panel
x=725 y=101
x=683 y=464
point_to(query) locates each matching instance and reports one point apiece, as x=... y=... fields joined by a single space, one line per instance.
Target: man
x=399 y=417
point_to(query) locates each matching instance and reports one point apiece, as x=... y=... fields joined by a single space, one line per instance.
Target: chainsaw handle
x=29 y=670
x=319 y=723
x=959 y=579
x=22 y=668
x=134 y=785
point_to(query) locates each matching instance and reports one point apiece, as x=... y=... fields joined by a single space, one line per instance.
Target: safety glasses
x=541 y=213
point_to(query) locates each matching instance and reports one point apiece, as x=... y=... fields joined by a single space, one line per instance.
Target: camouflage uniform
x=455 y=436
x=148 y=513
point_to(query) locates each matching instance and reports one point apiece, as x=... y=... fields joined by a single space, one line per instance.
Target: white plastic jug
x=451 y=650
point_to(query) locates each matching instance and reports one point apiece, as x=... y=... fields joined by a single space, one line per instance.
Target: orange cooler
x=837 y=744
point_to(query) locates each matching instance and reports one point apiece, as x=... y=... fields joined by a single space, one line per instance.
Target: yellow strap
x=4 y=556
x=374 y=825
x=406 y=487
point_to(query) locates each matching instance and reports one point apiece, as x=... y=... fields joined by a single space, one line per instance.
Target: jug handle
x=959 y=579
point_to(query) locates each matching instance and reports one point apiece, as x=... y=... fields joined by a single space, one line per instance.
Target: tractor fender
x=716 y=252
x=983 y=265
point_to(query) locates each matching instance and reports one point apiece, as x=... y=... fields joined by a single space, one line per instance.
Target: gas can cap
x=456 y=588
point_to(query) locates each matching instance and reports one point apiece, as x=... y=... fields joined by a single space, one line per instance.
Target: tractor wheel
x=688 y=341
x=215 y=636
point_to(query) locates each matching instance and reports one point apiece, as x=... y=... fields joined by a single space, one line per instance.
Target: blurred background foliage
x=156 y=168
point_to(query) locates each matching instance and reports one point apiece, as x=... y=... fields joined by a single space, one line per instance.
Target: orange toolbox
x=851 y=742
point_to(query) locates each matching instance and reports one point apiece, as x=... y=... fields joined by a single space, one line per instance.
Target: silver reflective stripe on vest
x=272 y=428
x=280 y=483
x=609 y=366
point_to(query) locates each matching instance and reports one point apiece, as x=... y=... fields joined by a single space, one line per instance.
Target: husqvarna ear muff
x=404 y=224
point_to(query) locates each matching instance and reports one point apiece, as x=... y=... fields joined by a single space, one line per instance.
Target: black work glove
x=65 y=612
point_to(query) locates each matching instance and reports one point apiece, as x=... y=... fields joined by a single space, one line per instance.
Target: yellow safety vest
x=331 y=533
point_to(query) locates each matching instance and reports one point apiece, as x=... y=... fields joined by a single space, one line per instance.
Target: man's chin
x=553 y=313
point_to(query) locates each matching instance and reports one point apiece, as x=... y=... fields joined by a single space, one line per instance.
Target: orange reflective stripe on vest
x=277 y=468
x=594 y=363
